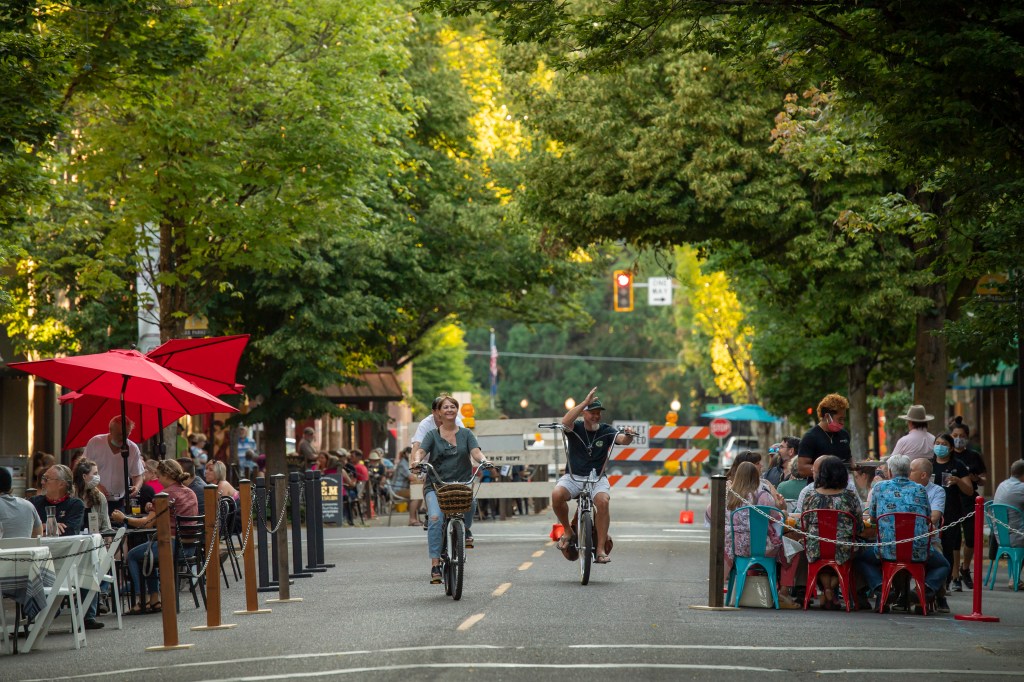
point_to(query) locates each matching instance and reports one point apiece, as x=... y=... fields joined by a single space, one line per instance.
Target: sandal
x=415 y=523
x=136 y=610
x=566 y=541
x=602 y=559
x=155 y=607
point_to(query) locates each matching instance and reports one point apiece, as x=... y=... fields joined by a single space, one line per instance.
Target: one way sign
x=659 y=291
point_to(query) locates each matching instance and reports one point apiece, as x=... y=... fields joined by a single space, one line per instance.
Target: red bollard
x=979 y=533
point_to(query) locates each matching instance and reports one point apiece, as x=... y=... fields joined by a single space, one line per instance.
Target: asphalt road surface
x=524 y=616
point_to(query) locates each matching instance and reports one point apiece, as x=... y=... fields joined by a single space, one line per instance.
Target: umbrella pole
x=161 y=448
x=124 y=448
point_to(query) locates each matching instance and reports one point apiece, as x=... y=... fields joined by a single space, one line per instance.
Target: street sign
x=720 y=428
x=639 y=428
x=659 y=291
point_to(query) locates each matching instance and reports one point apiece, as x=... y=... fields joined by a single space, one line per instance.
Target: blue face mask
x=941 y=450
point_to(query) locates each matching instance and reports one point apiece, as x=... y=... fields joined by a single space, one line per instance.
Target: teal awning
x=1003 y=377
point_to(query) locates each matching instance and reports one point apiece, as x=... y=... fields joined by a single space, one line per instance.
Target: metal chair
x=189 y=556
x=758 y=524
x=228 y=518
x=1014 y=555
x=905 y=526
x=829 y=529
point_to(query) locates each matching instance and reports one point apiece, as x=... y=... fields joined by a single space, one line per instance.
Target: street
x=523 y=615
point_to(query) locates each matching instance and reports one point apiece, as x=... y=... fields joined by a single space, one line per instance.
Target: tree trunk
x=931 y=360
x=857 y=417
x=274 y=434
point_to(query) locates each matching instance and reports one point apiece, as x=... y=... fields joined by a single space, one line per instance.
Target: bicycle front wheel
x=458 y=559
x=585 y=538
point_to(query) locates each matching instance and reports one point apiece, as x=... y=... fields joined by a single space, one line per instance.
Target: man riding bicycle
x=588 y=442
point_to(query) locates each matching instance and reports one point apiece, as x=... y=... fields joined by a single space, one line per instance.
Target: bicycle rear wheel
x=458 y=558
x=585 y=538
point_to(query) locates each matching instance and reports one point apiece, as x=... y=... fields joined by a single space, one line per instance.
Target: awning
x=743 y=413
x=1001 y=378
x=377 y=385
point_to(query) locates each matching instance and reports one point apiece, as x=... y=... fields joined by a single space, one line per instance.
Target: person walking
x=917 y=443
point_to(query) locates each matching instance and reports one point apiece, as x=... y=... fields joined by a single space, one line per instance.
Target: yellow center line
x=525 y=565
x=502 y=589
x=538 y=553
x=471 y=621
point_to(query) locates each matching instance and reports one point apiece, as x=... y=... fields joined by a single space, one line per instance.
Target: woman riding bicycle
x=451 y=450
x=588 y=442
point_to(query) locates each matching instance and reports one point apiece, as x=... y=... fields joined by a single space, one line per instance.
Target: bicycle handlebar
x=553 y=425
x=432 y=472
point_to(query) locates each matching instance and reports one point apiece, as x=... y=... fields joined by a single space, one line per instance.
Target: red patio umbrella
x=91 y=415
x=209 y=363
x=130 y=377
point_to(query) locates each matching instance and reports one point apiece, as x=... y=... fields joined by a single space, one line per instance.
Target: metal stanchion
x=265 y=584
x=716 y=549
x=252 y=602
x=311 y=512
x=318 y=497
x=168 y=586
x=211 y=503
x=295 y=493
x=281 y=545
x=979 y=535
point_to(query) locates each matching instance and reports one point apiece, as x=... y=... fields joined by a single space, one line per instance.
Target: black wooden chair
x=189 y=557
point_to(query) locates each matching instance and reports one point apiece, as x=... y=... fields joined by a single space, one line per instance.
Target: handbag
x=757 y=593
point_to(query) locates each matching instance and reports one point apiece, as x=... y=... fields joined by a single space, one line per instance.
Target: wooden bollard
x=168 y=582
x=252 y=602
x=281 y=543
x=211 y=504
x=716 y=548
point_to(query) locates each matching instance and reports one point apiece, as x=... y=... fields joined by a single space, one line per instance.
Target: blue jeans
x=135 y=559
x=435 y=521
x=870 y=566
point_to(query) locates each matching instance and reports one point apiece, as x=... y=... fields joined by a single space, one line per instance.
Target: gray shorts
x=575 y=485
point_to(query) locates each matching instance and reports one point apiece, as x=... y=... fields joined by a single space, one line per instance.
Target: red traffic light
x=622 y=299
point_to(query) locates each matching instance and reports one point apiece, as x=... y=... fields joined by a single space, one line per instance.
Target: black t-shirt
x=975 y=465
x=588 y=449
x=817 y=443
x=70 y=512
x=954 y=498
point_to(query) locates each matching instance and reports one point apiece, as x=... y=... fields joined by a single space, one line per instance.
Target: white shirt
x=18 y=516
x=110 y=464
x=917 y=444
x=428 y=425
x=1011 y=492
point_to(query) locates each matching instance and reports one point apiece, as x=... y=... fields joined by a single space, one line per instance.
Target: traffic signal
x=623 y=286
x=468 y=415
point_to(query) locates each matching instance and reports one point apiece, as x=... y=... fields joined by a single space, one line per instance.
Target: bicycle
x=455 y=500
x=582 y=523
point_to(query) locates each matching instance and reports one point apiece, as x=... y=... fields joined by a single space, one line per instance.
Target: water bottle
x=51 y=522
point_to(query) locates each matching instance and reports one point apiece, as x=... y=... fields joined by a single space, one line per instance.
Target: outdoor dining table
x=25 y=573
x=61 y=547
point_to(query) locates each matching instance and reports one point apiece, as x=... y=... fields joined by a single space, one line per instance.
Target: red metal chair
x=828 y=528
x=905 y=527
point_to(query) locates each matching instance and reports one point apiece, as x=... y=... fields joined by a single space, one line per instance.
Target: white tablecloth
x=24 y=572
x=88 y=564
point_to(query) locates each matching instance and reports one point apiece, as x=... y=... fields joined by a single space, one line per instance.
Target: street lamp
x=524 y=403
x=569 y=403
x=675 y=405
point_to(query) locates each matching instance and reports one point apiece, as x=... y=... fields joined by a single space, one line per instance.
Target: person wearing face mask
x=86 y=476
x=955 y=478
x=827 y=437
x=105 y=450
x=962 y=450
x=918 y=442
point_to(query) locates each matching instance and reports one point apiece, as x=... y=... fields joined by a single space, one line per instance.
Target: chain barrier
x=214 y=542
x=855 y=543
x=280 y=519
x=1013 y=530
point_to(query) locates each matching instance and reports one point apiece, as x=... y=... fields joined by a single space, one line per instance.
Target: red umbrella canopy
x=143 y=381
x=91 y=415
x=211 y=364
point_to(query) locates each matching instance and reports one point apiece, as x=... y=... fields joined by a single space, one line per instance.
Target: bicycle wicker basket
x=454 y=498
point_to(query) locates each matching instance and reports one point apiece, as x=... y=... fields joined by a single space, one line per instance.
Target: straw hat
x=917 y=413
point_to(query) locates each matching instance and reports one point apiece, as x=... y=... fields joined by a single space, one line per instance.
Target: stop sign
x=720 y=428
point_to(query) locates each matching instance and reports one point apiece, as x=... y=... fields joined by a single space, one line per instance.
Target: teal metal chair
x=1014 y=555
x=758 y=542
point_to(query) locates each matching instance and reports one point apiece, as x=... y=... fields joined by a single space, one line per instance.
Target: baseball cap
x=594 y=405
